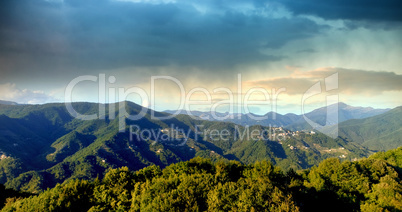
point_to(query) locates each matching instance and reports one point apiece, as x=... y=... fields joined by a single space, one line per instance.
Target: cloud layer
x=55 y=36
x=350 y=81
x=10 y=92
x=372 y=10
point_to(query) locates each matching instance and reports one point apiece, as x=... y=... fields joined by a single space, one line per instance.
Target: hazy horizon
x=308 y=109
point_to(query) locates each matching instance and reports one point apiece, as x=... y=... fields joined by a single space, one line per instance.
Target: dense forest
x=372 y=184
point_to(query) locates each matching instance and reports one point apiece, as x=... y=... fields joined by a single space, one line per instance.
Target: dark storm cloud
x=49 y=37
x=356 y=10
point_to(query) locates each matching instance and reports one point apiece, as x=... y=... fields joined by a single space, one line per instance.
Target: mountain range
x=291 y=121
x=42 y=145
x=376 y=129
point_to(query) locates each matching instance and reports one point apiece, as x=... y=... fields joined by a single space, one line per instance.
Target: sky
x=202 y=55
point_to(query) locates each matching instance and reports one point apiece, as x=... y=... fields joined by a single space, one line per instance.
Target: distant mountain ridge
x=2 y=102
x=290 y=120
x=345 y=112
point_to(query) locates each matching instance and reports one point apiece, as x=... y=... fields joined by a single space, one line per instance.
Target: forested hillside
x=42 y=145
x=382 y=132
x=372 y=184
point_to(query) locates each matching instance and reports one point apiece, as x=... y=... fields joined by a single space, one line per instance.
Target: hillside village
x=276 y=134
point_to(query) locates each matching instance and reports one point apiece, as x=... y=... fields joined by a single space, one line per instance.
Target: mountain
x=381 y=132
x=290 y=120
x=345 y=112
x=2 y=102
x=42 y=145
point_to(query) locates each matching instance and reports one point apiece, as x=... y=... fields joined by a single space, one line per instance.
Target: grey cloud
x=309 y=50
x=351 y=81
x=45 y=37
x=368 y=82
